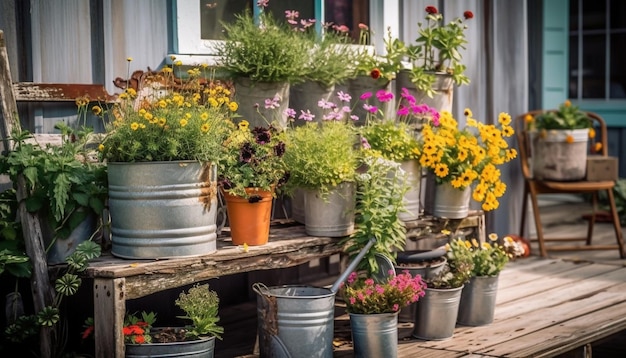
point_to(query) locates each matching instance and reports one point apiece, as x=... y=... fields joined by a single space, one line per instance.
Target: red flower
x=375 y=73
x=140 y=339
x=431 y=9
x=468 y=15
x=87 y=332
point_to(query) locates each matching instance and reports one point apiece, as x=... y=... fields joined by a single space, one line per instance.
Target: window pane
x=594 y=65
x=594 y=14
x=573 y=67
x=349 y=13
x=213 y=12
x=617 y=86
x=618 y=10
x=304 y=7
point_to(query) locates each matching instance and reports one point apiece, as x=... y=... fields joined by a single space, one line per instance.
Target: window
x=198 y=23
x=596 y=56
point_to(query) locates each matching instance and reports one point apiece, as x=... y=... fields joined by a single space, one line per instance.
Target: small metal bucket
x=436 y=314
x=478 y=301
x=374 y=335
x=301 y=317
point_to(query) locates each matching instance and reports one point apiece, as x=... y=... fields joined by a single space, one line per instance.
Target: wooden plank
x=109 y=298
x=60 y=92
x=558 y=339
x=7 y=98
x=504 y=338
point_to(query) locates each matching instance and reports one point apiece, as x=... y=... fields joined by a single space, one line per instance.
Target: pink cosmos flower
x=307 y=116
x=344 y=97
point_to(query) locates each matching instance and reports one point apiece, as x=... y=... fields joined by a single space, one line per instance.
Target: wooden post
x=7 y=98
x=41 y=289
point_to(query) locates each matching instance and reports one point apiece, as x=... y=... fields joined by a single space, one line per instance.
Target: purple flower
x=307 y=116
x=272 y=103
x=384 y=96
x=403 y=111
x=365 y=144
x=369 y=108
x=290 y=112
x=406 y=95
x=246 y=153
x=366 y=96
x=322 y=103
x=346 y=109
x=354 y=117
x=344 y=97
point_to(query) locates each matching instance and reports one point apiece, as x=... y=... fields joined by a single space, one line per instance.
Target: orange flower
x=592 y=133
x=597 y=147
x=569 y=139
x=375 y=74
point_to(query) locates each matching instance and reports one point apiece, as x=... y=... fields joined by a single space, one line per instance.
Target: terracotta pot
x=249 y=218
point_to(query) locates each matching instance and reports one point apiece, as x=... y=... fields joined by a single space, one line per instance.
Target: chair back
x=524 y=142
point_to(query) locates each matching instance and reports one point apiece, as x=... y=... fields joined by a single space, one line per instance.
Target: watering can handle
x=352 y=265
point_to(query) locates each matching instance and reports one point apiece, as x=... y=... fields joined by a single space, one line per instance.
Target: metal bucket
x=332 y=216
x=295 y=321
x=436 y=313
x=478 y=301
x=250 y=93
x=411 y=198
x=553 y=158
x=426 y=263
x=451 y=203
x=443 y=87
x=374 y=335
x=199 y=348
x=306 y=95
x=162 y=209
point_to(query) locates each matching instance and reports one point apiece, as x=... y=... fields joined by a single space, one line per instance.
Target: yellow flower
x=101 y=147
x=243 y=125
x=183 y=122
x=129 y=59
x=592 y=133
x=97 y=110
x=204 y=128
x=493 y=236
x=134 y=126
x=504 y=118
x=233 y=106
x=441 y=170
x=467 y=112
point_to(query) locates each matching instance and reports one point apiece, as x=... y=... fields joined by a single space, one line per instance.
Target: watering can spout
x=352 y=265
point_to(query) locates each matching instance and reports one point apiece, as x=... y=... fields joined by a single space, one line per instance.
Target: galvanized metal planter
x=451 y=203
x=478 y=301
x=436 y=314
x=162 y=209
x=332 y=216
x=553 y=158
x=374 y=335
x=295 y=321
x=411 y=198
x=203 y=347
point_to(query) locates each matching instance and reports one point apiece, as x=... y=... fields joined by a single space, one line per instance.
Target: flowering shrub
x=363 y=295
x=369 y=63
x=438 y=49
x=394 y=139
x=322 y=154
x=252 y=159
x=458 y=268
x=189 y=122
x=490 y=257
x=472 y=154
x=136 y=328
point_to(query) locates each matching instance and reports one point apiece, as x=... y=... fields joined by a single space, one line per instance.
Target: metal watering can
x=298 y=320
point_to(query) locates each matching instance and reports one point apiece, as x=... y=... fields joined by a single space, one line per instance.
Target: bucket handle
x=261 y=289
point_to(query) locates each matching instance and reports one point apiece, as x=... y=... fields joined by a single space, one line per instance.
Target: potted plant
x=264 y=56
x=458 y=158
x=161 y=151
x=559 y=140
x=325 y=68
x=373 y=309
x=478 y=298
x=435 y=59
x=436 y=312
x=322 y=159
x=250 y=171
x=197 y=339
x=396 y=139
x=65 y=187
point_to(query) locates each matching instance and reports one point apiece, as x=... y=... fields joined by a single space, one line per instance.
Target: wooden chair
x=535 y=187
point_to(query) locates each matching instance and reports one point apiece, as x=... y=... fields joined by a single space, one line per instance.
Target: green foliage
x=269 y=52
x=201 y=307
x=321 y=156
x=458 y=268
x=489 y=257
x=438 y=50
x=63 y=184
x=567 y=116
x=391 y=140
x=66 y=285
x=380 y=192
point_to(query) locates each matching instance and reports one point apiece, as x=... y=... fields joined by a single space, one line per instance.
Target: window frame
x=189 y=48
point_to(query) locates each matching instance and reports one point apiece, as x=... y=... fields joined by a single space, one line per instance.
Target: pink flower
x=403 y=111
x=384 y=96
x=292 y=14
x=366 y=96
x=322 y=103
x=344 y=97
x=262 y=3
x=290 y=112
x=370 y=108
x=307 y=116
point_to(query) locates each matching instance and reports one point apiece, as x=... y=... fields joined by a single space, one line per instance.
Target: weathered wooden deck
x=568 y=305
